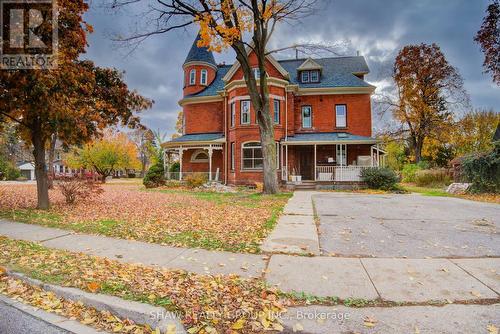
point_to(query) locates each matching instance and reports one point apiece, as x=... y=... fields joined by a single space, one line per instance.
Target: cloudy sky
x=375 y=28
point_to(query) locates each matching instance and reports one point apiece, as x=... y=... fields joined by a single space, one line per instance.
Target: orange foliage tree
x=429 y=91
x=76 y=100
x=224 y=24
x=488 y=37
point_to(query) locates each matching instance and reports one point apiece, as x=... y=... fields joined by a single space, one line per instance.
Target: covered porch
x=196 y=154
x=328 y=157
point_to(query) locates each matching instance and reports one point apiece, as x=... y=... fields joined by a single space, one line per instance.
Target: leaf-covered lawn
x=234 y=222
x=208 y=304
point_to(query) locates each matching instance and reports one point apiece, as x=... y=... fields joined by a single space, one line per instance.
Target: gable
x=273 y=68
x=309 y=64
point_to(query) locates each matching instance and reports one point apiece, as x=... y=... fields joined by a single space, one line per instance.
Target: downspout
x=226 y=136
x=286 y=135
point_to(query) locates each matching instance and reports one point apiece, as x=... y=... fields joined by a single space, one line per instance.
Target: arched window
x=252 y=155
x=203 y=77
x=192 y=77
x=199 y=156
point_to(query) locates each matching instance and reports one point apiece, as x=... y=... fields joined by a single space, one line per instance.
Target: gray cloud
x=378 y=29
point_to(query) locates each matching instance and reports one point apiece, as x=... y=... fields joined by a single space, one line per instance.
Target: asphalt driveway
x=406 y=226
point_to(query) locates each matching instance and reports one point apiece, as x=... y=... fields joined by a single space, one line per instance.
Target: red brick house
x=322 y=113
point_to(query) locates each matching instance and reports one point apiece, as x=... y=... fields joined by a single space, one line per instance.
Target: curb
x=140 y=313
x=58 y=323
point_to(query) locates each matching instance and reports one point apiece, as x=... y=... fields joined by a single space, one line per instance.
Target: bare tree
x=224 y=24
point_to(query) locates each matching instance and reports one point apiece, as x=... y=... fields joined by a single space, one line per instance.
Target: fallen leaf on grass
x=93 y=287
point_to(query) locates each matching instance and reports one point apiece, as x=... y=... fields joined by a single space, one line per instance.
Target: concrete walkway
x=398 y=280
x=296 y=231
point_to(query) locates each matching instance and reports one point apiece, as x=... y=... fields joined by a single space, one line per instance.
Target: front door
x=306 y=164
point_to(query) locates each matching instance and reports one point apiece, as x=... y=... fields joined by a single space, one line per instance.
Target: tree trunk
x=52 y=153
x=418 y=151
x=40 y=169
x=268 y=150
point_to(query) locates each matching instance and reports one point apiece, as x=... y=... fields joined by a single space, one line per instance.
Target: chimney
x=357 y=53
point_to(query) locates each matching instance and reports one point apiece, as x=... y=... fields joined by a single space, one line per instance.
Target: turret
x=199 y=68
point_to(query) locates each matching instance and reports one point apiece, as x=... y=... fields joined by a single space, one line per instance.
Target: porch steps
x=306 y=185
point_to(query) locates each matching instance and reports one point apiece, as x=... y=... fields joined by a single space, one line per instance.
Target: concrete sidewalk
x=398 y=280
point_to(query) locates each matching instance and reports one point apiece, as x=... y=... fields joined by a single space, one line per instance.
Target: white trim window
x=340 y=115
x=251 y=156
x=245 y=112
x=276 y=111
x=192 y=77
x=314 y=76
x=233 y=113
x=199 y=156
x=256 y=73
x=203 y=77
x=307 y=117
x=304 y=76
x=232 y=156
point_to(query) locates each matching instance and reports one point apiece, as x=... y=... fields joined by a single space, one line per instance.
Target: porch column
x=180 y=163
x=286 y=153
x=378 y=156
x=165 y=164
x=315 y=162
x=210 y=152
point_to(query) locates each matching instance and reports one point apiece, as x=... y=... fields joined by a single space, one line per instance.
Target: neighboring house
x=27 y=170
x=321 y=110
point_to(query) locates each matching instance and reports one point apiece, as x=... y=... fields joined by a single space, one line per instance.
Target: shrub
x=12 y=173
x=196 y=180
x=74 y=187
x=379 y=178
x=432 y=178
x=8 y=171
x=409 y=172
x=175 y=167
x=483 y=171
x=155 y=176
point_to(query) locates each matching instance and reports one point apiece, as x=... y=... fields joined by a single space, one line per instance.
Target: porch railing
x=339 y=173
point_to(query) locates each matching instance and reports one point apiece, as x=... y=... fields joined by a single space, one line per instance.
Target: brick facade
x=214 y=116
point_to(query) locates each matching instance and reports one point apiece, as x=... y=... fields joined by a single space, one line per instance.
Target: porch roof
x=328 y=138
x=196 y=138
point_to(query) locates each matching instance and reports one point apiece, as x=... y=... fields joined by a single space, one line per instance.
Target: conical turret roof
x=200 y=53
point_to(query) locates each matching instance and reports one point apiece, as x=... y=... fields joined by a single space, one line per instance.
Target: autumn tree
x=105 y=156
x=75 y=100
x=488 y=37
x=429 y=91
x=179 y=125
x=246 y=27
x=473 y=133
x=143 y=138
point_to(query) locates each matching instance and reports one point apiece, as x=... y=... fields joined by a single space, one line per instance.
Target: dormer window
x=256 y=73
x=305 y=76
x=192 y=77
x=203 y=77
x=309 y=76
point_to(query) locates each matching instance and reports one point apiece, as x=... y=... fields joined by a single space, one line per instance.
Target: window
x=305 y=76
x=306 y=117
x=192 y=77
x=309 y=76
x=199 y=156
x=232 y=156
x=256 y=73
x=315 y=76
x=245 y=112
x=278 y=162
x=252 y=156
x=233 y=113
x=203 y=77
x=340 y=115
x=277 y=111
